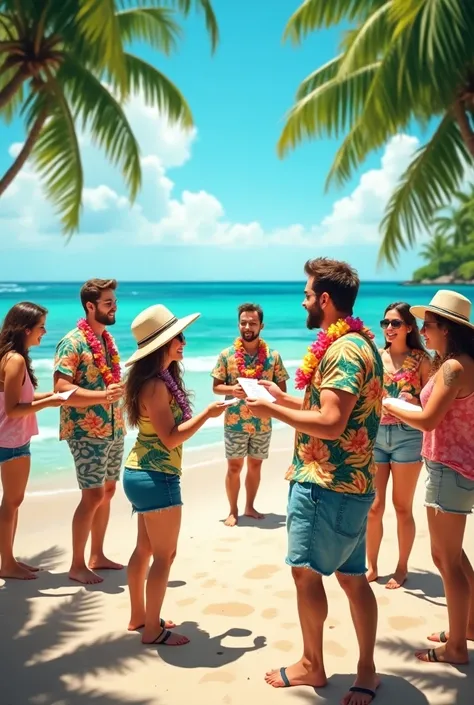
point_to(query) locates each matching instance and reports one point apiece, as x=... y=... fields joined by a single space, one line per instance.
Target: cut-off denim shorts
x=326 y=529
x=447 y=490
x=7 y=454
x=398 y=443
x=151 y=490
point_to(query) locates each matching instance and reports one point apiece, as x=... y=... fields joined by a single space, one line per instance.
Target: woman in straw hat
x=447 y=422
x=157 y=403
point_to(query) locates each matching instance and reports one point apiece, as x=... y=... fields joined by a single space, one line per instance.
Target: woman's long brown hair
x=19 y=318
x=140 y=373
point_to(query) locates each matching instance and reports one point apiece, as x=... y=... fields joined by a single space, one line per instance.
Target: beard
x=249 y=337
x=105 y=319
x=315 y=317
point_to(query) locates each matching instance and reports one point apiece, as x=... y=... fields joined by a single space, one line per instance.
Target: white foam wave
x=11 y=289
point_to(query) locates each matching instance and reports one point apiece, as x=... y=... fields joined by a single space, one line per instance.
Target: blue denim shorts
x=398 y=443
x=447 y=490
x=7 y=454
x=151 y=490
x=327 y=529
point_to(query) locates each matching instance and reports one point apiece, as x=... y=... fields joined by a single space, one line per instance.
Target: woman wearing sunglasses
x=447 y=422
x=398 y=446
x=157 y=403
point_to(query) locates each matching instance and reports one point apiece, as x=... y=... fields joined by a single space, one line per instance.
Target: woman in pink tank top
x=22 y=328
x=447 y=422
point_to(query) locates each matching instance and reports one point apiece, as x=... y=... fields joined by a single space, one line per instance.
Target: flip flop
x=284 y=678
x=364 y=691
x=162 y=625
x=163 y=637
x=431 y=656
x=442 y=638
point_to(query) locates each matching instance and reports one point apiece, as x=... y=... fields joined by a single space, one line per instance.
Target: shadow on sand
x=270 y=521
x=394 y=689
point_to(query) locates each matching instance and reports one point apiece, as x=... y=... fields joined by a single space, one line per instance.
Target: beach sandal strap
x=162 y=623
x=163 y=637
x=432 y=657
x=365 y=691
x=284 y=677
x=442 y=637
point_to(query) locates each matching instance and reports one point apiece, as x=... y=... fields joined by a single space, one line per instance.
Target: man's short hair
x=336 y=278
x=251 y=308
x=93 y=288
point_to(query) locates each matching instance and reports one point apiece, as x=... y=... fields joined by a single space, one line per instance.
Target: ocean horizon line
x=191 y=281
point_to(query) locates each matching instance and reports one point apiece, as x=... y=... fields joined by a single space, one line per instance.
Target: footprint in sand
x=334 y=649
x=262 y=572
x=244 y=591
x=200 y=575
x=283 y=645
x=383 y=601
x=289 y=625
x=285 y=594
x=229 y=609
x=402 y=623
x=209 y=583
x=186 y=602
x=218 y=677
x=269 y=613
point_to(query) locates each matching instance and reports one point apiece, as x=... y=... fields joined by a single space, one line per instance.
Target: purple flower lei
x=177 y=393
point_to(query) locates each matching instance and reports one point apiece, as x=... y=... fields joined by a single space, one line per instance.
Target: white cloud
x=192 y=217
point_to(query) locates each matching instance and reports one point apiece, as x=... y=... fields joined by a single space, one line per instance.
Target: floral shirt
x=403 y=382
x=104 y=421
x=150 y=453
x=238 y=417
x=352 y=364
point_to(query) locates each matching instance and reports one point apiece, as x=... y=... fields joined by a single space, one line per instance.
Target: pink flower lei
x=324 y=340
x=177 y=393
x=110 y=375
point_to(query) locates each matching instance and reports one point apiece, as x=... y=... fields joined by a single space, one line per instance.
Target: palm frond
x=98 y=24
x=57 y=158
x=428 y=183
x=99 y=112
x=329 y=109
x=368 y=41
x=153 y=25
x=157 y=90
x=319 y=77
x=317 y=14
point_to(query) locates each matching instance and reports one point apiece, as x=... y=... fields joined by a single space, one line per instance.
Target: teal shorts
x=96 y=461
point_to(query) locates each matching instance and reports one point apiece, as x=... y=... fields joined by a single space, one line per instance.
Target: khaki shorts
x=96 y=461
x=239 y=445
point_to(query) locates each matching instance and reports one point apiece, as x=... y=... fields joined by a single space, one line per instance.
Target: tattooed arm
x=447 y=385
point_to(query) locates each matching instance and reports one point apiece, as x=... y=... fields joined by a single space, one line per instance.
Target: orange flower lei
x=110 y=375
x=262 y=354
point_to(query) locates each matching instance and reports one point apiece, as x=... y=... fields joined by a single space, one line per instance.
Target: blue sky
x=217 y=203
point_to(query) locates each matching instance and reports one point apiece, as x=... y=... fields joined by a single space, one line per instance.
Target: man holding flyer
x=245 y=435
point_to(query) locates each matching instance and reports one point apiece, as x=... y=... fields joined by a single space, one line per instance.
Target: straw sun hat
x=154 y=327
x=448 y=304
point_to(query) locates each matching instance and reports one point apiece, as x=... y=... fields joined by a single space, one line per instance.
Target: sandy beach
x=231 y=594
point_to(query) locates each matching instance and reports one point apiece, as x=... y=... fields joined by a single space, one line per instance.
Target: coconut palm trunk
x=24 y=153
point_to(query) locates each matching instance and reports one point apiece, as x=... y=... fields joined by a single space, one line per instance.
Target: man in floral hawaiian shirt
x=87 y=361
x=332 y=473
x=244 y=434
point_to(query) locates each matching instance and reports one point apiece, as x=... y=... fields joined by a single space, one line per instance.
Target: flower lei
x=324 y=340
x=110 y=375
x=262 y=354
x=178 y=394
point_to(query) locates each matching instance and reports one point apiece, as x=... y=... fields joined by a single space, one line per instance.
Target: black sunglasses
x=396 y=323
x=180 y=337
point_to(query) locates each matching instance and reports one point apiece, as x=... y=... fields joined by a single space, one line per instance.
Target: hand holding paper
x=391 y=403
x=254 y=390
x=65 y=395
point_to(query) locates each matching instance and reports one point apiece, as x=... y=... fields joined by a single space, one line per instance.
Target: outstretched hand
x=272 y=388
x=259 y=407
x=216 y=409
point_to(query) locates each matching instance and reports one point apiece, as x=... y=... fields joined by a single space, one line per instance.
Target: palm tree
x=457 y=225
x=404 y=61
x=435 y=248
x=66 y=65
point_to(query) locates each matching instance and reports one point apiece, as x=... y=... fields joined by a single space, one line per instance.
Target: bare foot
x=397 y=580
x=103 y=563
x=136 y=624
x=31 y=568
x=363 y=691
x=231 y=520
x=299 y=673
x=442 y=637
x=251 y=512
x=16 y=571
x=85 y=576
x=444 y=654
x=166 y=637
x=372 y=575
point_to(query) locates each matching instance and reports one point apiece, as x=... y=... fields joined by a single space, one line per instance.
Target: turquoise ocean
x=285 y=330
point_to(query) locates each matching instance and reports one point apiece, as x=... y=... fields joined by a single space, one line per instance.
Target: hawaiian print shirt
x=105 y=421
x=150 y=453
x=405 y=381
x=238 y=417
x=352 y=364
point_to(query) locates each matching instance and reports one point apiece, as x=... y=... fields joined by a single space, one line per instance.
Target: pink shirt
x=452 y=441
x=16 y=432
